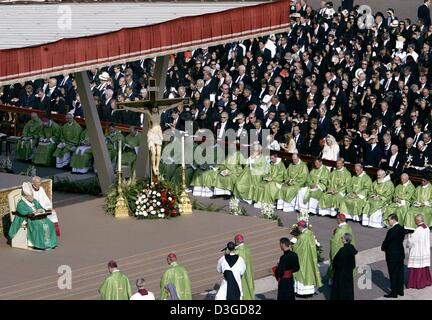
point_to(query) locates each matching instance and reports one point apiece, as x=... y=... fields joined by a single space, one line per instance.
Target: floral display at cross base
x=235 y=209
x=267 y=211
x=156 y=201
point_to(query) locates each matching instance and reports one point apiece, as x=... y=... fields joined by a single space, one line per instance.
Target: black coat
x=288 y=261
x=343 y=266
x=393 y=244
x=423 y=13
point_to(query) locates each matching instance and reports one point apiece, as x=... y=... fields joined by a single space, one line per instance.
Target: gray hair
x=35 y=178
x=347 y=237
x=420 y=217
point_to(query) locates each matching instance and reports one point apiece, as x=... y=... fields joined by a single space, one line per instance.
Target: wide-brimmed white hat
x=104 y=76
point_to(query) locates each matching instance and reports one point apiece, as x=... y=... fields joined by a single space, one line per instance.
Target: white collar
x=385 y=179
x=342 y=224
x=361 y=174
x=406 y=183
x=426 y=185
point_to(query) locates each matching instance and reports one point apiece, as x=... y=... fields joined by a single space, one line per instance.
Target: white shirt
x=392 y=159
x=139 y=296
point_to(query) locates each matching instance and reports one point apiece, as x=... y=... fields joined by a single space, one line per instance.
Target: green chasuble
x=402 y=199
x=83 y=155
x=49 y=138
x=383 y=192
x=319 y=177
x=267 y=190
x=170 y=159
x=248 y=285
x=40 y=232
x=115 y=287
x=295 y=178
x=251 y=177
x=130 y=150
x=305 y=247
x=28 y=140
x=112 y=141
x=177 y=275
x=421 y=203
x=229 y=171
x=203 y=174
x=70 y=137
x=336 y=243
x=339 y=181
x=355 y=200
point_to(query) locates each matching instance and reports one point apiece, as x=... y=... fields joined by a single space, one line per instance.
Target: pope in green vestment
x=339 y=180
x=267 y=191
x=358 y=191
x=82 y=157
x=27 y=143
x=40 y=230
x=116 y=287
x=130 y=148
x=316 y=185
x=336 y=242
x=50 y=136
x=177 y=275
x=421 y=203
x=70 y=138
x=248 y=284
x=252 y=175
x=308 y=277
x=295 y=178
x=402 y=198
x=380 y=195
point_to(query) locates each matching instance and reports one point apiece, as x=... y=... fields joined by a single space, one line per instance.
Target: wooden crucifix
x=151 y=139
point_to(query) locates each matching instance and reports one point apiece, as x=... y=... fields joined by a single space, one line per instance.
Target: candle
x=119 y=160
x=183 y=151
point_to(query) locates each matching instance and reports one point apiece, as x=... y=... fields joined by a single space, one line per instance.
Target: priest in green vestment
x=339 y=180
x=112 y=141
x=130 y=148
x=228 y=173
x=82 y=157
x=252 y=175
x=26 y=144
x=50 y=136
x=308 y=278
x=176 y=275
x=267 y=190
x=316 y=186
x=336 y=242
x=358 y=191
x=295 y=179
x=116 y=286
x=203 y=169
x=421 y=204
x=41 y=232
x=379 y=197
x=248 y=284
x=70 y=138
x=402 y=198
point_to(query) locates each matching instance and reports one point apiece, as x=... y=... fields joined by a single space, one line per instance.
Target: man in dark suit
x=423 y=13
x=395 y=255
x=373 y=153
x=298 y=139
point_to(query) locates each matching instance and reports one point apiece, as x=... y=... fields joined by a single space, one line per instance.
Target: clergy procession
x=329 y=121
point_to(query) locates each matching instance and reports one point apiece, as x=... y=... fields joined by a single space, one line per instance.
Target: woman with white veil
x=331 y=149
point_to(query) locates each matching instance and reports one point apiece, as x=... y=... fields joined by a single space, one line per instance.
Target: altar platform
x=90 y=238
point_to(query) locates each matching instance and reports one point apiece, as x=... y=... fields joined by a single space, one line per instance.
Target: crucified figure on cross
x=154 y=134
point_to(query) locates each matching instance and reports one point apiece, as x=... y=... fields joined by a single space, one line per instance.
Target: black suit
x=372 y=157
x=395 y=255
x=423 y=13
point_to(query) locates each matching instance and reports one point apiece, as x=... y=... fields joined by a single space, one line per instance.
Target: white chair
x=20 y=240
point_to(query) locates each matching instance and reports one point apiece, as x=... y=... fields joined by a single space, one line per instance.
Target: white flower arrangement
x=303 y=215
x=267 y=211
x=235 y=209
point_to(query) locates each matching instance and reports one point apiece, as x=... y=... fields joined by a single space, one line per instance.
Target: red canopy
x=130 y=44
